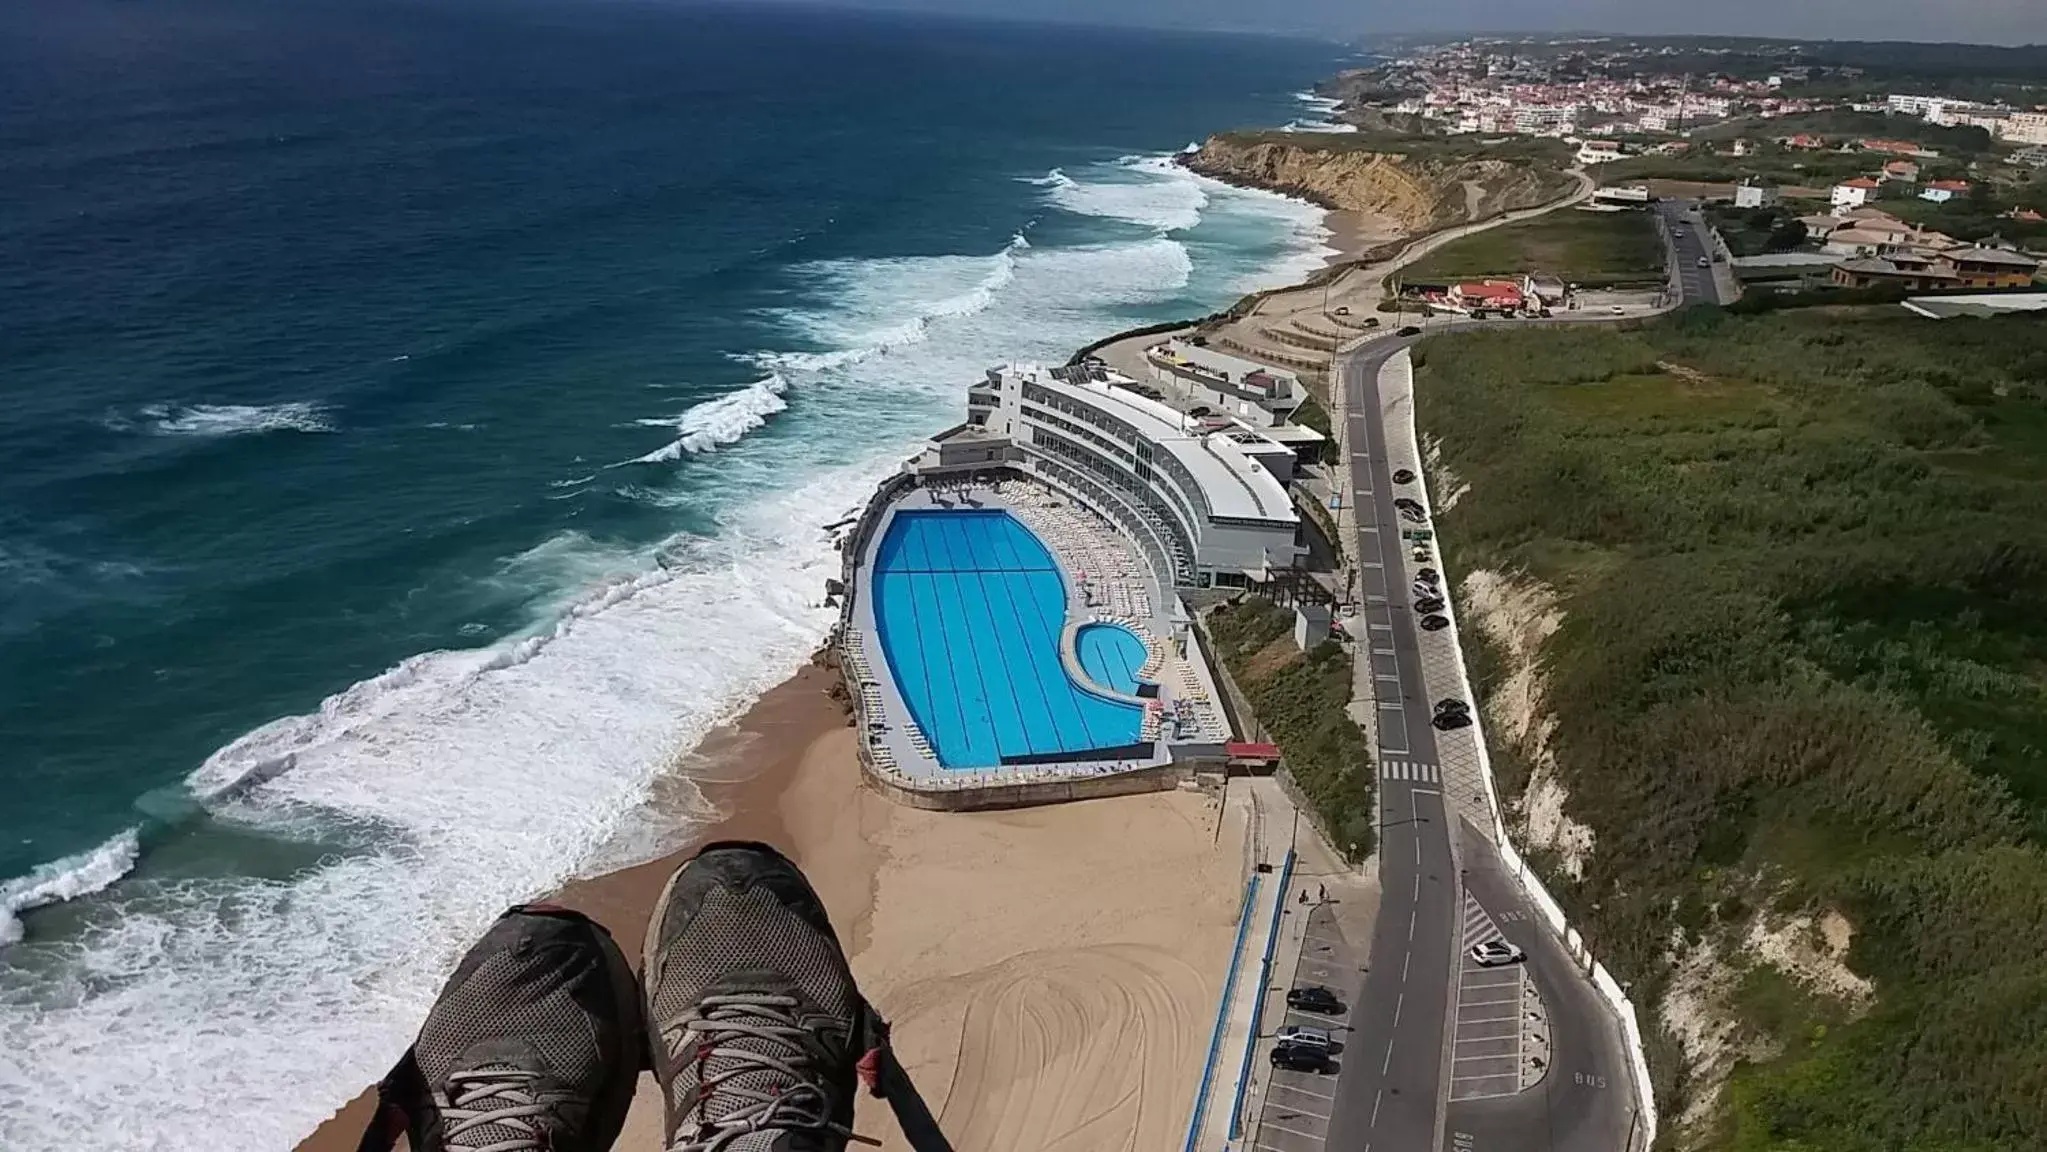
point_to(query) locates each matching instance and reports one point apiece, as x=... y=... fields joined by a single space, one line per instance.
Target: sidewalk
x=1232 y=1055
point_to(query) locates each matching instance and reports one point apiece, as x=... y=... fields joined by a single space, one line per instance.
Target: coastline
x=784 y=771
x=1025 y=1016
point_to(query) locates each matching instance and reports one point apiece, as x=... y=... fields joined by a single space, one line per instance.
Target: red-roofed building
x=1478 y=294
x=1852 y=193
x=1903 y=170
x=1897 y=148
x=1942 y=191
x=1804 y=141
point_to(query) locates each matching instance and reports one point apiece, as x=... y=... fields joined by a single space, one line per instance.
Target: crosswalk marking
x=1411 y=770
x=1478 y=924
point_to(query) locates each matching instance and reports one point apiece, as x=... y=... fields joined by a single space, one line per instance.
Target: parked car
x=1405 y=502
x=1445 y=721
x=1403 y=475
x=1414 y=515
x=1493 y=953
x=1618 y=310
x=1705 y=261
x=1420 y=554
x=1425 y=591
x=1451 y=704
x=1427 y=604
x=1343 y=310
x=1306 y=1036
x=1408 y=330
x=1314 y=998
x=1434 y=623
x=1300 y=1058
x=1429 y=576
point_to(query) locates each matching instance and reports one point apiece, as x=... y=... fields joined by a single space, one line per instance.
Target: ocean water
x=420 y=422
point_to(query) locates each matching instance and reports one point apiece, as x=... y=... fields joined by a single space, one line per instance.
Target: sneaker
x=753 y=1019
x=534 y=1044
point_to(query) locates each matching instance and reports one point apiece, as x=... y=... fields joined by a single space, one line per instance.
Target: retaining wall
x=1222 y=1013
x=1286 y=875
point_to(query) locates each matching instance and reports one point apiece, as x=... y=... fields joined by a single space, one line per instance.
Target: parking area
x=1501 y=1043
x=1294 y=1116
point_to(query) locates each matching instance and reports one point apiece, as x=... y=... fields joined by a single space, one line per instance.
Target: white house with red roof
x=1942 y=191
x=1476 y=294
x=1852 y=193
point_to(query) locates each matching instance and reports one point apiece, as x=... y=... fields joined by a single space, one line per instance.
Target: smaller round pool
x=1110 y=655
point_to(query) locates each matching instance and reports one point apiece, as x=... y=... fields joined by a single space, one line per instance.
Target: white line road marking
x=1492 y=1056
x=1264 y=1124
x=1376 y=1098
x=1396 y=705
x=1475 y=1079
x=1399 y=1002
x=1475 y=982
x=1488 y=1019
x=1302 y=1091
x=1404 y=958
x=1387 y=676
x=1514 y=999
x=1427 y=792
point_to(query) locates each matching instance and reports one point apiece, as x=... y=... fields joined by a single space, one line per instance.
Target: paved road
x=1398 y=1071
x=1583 y=1103
x=1390 y=1091
x=1698 y=284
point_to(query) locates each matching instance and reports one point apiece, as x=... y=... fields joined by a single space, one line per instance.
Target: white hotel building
x=1206 y=500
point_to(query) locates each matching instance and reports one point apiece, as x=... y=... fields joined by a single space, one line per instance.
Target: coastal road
x=1583 y=1102
x=1395 y=1087
x=1390 y=1093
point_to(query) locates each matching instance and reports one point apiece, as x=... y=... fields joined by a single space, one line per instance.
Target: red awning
x=1252 y=751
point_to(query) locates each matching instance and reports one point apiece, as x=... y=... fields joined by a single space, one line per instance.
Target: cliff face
x=1420 y=193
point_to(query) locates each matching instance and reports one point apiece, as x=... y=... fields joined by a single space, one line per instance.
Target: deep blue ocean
x=419 y=421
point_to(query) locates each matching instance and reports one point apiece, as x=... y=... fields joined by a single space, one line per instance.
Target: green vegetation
x=1754 y=231
x=1301 y=700
x=1590 y=248
x=1803 y=665
x=1448 y=149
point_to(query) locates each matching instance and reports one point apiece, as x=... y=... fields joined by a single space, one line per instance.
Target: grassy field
x=1803 y=667
x=1590 y=248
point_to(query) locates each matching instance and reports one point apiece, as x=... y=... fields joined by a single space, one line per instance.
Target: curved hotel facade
x=1205 y=499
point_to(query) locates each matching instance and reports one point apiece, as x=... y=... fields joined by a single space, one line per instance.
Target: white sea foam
x=65 y=879
x=209 y=420
x=1139 y=189
x=487 y=776
x=256 y=1006
x=722 y=421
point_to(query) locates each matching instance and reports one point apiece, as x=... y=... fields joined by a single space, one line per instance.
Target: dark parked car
x=1414 y=515
x=1403 y=475
x=1300 y=1057
x=1428 y=604
x=1406 y=502
x=1451 y=704
x=1445 y=721
x=1408 y=330
x=1314 y=998
x=1429 y=576
x=1435 y=623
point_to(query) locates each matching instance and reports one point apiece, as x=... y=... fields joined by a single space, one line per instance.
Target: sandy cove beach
x=1051 y=973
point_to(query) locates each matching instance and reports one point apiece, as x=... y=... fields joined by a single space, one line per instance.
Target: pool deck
x=1105 y=581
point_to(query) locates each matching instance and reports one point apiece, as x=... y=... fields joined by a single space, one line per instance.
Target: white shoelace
x=483 y=1098
x=711 y=1029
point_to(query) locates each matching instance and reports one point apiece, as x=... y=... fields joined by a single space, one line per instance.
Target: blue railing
x=1222 y=1014
x=1286 y=875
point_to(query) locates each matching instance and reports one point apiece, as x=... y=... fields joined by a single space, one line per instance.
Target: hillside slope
x=1765 y=609
x=1420 y=182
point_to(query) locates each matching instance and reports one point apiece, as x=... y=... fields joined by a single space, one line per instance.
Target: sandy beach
x=1051 y=973
x=1353 y=233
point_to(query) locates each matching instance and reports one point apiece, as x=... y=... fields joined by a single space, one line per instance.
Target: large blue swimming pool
x=969 y=607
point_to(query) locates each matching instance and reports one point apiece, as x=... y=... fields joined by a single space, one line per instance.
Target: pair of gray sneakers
x=744 y=1008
